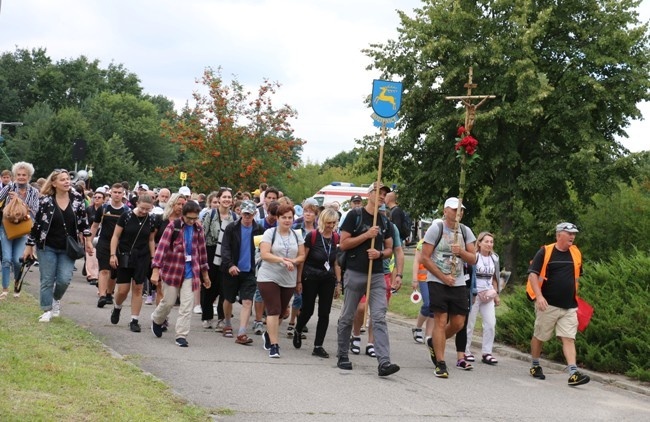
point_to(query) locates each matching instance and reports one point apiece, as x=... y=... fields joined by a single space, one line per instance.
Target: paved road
x=216 y=373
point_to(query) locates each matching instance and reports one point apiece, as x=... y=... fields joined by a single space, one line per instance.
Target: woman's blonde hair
x=480 y=237
x=48 y=187
x=170 y=204
x=325 y=216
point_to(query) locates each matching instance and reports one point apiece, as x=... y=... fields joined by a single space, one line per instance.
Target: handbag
x=14 y=231
x=124 y=258
x=487 y=295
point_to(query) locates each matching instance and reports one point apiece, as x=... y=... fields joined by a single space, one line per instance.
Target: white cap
x=144 y=186
x=184 y=190
x=452 y=203
x=100 y=189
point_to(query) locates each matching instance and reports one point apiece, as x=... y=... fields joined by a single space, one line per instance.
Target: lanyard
x=327 y=249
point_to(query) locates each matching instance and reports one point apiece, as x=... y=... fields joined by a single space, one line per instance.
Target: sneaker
x=441 y=370
x=297 y=341
x=463 y=364
x=56 y=308
x=274 y=351
x=197 y=310
x=134 y=326
x=267 y=341
x=290 y=330
x=344 y=363
x=207 y=324
x=115 y=315
x=101 y=302
x=305 y=329
x=417 y=335
x=109 y=299
x=258 y=327
x=92 y=281
x=387 y=369
x=432 y=353
x=243 y=339
x=182 y=342
x=46 y=317
x=536 y=372
x=320 y=352
x=578 y=378
x=219 y=327
x=156 y=329
x=148 y=300
x=165 y=325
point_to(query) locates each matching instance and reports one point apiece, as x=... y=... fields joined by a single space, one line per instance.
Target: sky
x=313 y=48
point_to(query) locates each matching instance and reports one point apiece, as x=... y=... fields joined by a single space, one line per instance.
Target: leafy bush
x=617 y=339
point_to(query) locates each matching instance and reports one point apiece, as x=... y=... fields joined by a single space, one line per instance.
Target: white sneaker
x=219 y=327
x=197 y=309
x=46 y=317
x=207 y=324
x=56 y=308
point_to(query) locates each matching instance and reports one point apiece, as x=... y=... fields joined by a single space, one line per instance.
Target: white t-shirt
x=283 y=246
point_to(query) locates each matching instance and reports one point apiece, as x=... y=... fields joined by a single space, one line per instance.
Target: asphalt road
x=241 y=383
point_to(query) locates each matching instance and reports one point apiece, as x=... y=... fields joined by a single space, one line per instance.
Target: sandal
x=227 y=332
x=469 y=357
x=355 y=345
x=370 y=351
x=3 y=295
x=489 y=359
x=463 y=364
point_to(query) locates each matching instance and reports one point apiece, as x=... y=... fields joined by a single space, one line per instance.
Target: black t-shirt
x=321 y=250
x=56 y=235
x=559 y=288
x=135 y=226
x=357 y=258
x=107 y=216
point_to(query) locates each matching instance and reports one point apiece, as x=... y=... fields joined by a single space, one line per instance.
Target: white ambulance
x=340 y=192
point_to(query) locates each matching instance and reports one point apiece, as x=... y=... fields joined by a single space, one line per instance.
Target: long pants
x=56 y=269
x=323 y=288
x=92 y=266
x=355 y=287
x=12 y=251
x=489 y=323
x=208 y=296
x=169 y=300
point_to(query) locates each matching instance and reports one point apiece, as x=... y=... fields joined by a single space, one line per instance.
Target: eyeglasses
x=191 y=218
x=99 y=197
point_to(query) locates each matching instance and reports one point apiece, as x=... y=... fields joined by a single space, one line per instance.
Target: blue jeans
x=424 y=292
x=56 y=269
x=12 y=251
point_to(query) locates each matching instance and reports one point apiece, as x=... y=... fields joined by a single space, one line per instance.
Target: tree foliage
x=234 y=138
x=567 y=76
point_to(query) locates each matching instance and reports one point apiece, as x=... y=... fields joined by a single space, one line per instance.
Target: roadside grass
x=58 y=371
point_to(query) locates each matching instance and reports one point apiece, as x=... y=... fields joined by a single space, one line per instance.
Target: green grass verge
x=58 y=371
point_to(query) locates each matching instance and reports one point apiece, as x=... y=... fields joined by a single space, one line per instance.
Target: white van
x=339 y=192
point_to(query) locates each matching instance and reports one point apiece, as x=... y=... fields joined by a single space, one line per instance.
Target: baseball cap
x=184 y=190
x=452 y=203
x=100 y=189
x=355 y=198
x=248 y=207
x=144 y=187
x=371 y=188
x=310 y=201
x=566 y=227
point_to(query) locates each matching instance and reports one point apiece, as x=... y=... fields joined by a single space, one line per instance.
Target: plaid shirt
x=171 y=260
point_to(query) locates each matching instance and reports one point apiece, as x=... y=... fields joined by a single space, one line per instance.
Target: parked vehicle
x=340 y=192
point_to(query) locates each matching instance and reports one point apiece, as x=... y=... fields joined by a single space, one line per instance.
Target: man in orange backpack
x=553 y=284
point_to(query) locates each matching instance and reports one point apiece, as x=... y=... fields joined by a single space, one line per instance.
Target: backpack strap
x=176 y=232
x=314 y=233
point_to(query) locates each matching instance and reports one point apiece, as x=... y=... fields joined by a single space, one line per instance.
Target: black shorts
x=448 y=300
x=244 y=284
x=125 y=275
x=103 y=251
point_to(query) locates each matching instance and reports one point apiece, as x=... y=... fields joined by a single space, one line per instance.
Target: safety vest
x=576 y=256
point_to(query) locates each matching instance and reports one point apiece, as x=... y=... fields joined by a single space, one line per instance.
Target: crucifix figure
x=470 y=109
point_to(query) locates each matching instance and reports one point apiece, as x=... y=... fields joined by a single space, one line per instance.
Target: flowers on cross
x=466 y=144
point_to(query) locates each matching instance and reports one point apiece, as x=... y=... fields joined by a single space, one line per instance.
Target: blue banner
x=386 y=102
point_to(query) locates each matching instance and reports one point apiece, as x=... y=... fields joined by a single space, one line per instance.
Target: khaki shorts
x=563 y=321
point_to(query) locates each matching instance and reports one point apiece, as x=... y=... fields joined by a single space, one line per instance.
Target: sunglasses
x=225 y=188
x=568 y=227
x=99 y=197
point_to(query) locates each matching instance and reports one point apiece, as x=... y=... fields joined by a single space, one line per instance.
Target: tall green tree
x=568 y=76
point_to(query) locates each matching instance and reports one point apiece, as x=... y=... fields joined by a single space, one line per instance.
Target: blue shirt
x=244 y=263
x=188 y=233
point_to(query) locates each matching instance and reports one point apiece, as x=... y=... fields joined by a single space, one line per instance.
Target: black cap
x=355 y=198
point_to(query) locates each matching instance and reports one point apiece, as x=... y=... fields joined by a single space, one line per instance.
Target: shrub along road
x=242 y=383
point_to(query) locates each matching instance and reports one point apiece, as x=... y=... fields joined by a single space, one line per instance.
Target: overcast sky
x=313 y=48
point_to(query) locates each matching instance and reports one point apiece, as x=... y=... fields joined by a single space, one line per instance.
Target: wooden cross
x=470 y=109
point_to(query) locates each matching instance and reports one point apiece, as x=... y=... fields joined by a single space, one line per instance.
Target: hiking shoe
x=536 y=372
x=387 y=369
x=441 y=370
x=109 y=299
x=56 y=308
x=274 y=351
x=243 y=339
x=344 y=363
x=258 y=327
x=219 y=327
x=156 y=329
x=417 y=335
x=578 y=378
x=182 y=342
x=134 y=326
x=267 y=341
x=115 y=315
x=320 y=352
x=207 y=324
x=101 y=302
x=46 y=317
x=432 y=353
x=463 y=364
